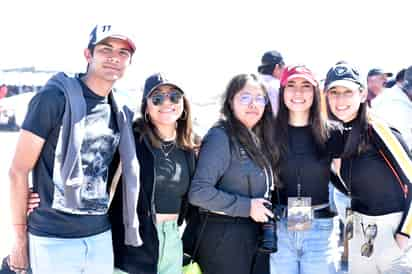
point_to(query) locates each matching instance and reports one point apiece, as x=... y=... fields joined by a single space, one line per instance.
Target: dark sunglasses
x=247 y=99
x=158 y=98
x=369 y=233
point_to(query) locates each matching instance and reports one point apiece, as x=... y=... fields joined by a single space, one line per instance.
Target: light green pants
x=170 y=249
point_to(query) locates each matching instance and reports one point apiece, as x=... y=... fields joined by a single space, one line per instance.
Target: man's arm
x=26 y=155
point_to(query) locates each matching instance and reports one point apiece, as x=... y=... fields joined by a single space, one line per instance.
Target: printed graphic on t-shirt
x=88 y=195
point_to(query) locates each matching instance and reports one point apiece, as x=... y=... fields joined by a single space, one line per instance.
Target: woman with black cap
x=165 y=149
x=377 y=172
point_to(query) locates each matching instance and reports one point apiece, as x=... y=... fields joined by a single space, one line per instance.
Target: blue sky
x=202 y=44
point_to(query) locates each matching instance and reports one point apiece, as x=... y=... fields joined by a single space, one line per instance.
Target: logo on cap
x=341 y=70
x=106 y=28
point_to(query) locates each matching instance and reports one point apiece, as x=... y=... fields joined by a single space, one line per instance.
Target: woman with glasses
x=165 y=149
x=304 y=142
x=233 y=180
x=377 y=172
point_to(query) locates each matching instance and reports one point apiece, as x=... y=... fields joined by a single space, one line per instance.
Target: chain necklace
x=167 y=148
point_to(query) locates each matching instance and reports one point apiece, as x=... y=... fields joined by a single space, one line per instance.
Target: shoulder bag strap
x=199 y=238
x=115 y=182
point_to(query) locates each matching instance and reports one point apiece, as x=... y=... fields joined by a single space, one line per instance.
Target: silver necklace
x=167 y=148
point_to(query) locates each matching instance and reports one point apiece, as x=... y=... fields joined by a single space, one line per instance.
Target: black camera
x=269 y=237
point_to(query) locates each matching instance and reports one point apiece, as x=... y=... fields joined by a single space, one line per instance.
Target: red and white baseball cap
x=297 y=71
x=101 y=32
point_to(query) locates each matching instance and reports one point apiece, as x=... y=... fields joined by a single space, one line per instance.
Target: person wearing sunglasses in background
x=377 y=173
x=304 y=141
x=166 y=151
x=232 y=179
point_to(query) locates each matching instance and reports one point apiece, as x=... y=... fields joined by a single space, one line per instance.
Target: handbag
x=190 y=266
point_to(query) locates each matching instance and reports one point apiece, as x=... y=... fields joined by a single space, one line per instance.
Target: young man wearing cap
x=71 y=132
x=395 y=106
x=376 y=82
x=270 y=70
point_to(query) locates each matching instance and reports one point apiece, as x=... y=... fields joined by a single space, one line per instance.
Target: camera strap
x=199 y=238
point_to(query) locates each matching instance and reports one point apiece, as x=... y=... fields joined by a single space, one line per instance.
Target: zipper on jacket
x=152 y=202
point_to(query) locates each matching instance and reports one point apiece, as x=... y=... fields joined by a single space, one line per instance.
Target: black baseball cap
x=271 y=58
x=379 y=71
x=343 y=74
x=154 y=81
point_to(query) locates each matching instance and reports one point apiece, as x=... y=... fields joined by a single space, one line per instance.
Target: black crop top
x=171 y=178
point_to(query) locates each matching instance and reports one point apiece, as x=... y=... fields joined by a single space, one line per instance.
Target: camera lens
x=269 y=241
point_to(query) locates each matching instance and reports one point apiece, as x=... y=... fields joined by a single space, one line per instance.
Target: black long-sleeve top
x=374 y=187
x=307 y=165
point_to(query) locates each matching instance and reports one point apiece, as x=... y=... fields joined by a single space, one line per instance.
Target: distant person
x=376 y=80
x=395 y=106
x=400 y=77
x=71 y=132
x=3 y=91
x=270 y=69
x=397 y=80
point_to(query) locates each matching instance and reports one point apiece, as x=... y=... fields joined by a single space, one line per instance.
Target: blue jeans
x=88 y=255
x=305 y=252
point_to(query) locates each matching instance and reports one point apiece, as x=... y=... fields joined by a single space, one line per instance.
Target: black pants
x=229 y=245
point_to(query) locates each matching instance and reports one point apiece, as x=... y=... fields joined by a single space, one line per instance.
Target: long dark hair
x=318 y=126
x=259 y=150
x=185 y=137
x=358 y=138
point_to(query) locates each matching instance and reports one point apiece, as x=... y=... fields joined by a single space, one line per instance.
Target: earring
x=146 y=117
x=184 y=115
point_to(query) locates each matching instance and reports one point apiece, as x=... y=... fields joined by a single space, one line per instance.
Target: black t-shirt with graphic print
x=101 y=137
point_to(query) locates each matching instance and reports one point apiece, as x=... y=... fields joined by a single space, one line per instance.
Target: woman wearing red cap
x=303 y=140
x=377 y=172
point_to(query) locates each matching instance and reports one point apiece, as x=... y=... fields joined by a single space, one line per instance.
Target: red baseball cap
x=297 y=71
